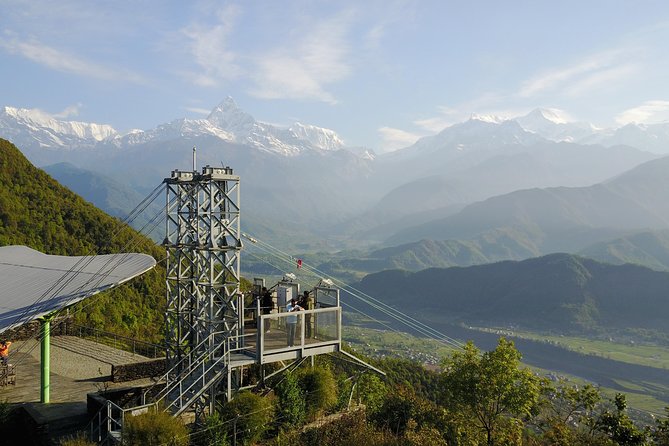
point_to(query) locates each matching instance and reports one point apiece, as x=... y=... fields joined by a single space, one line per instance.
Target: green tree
x=618 y=426
x=661 y=431
x=407 y=414
x=370 y=391
x=491 y=387
x=291 y=408
x=568 y=413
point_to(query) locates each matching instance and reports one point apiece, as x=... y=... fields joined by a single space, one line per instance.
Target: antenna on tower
x=194 y=161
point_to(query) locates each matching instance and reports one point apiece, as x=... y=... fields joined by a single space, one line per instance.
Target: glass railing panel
x=326 y=325
x=299 y=329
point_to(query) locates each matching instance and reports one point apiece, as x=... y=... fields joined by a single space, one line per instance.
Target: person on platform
x=308 y=304
x=291 y=321
x=267 y=305
x=4 y=351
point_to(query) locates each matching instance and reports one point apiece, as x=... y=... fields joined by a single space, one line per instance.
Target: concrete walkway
x=78 y=367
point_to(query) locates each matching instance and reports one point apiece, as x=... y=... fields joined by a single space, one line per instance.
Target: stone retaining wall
x=138 y=370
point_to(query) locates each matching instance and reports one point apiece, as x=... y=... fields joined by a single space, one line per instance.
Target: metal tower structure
x=207 y=348
x=202 y=240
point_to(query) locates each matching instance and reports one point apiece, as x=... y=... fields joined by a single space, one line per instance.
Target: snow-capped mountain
x=33 y=127
x=231 y=124
x=304 y=177
x=176 y=129
x=545 y=123
x=476 y=134
x=651 y=137
x=324 y=139
x=553 y=125
x=286 y=141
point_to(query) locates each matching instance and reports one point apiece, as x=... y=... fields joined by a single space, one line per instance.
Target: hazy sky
x=380 y=73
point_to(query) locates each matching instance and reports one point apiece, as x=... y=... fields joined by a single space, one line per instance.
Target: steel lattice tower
x=203 y=251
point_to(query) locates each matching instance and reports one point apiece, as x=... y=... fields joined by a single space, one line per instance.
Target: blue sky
x=380 y=73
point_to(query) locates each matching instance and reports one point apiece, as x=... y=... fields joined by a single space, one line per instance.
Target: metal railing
x=186 y=381
x=110 y=419
x=190 y=377
x=131 y=345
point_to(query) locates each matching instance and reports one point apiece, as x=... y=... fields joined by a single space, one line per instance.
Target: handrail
x=202 y=388
x=126 y=341
x=178 y=366
x=194 y=364
x=201 y=368
x=109 y=421
x=203 y=384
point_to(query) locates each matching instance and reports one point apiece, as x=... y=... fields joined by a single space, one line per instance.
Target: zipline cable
x=398 y=315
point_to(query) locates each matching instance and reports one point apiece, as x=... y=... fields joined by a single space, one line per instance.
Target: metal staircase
x=189 y=381
x=184 y=385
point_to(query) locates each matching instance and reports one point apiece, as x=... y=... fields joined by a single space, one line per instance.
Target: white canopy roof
x=33 y=284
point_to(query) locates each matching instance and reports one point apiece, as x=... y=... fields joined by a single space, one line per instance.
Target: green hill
x=429 y=254
x=648 y=248
x=558 y=292
x=36 y=211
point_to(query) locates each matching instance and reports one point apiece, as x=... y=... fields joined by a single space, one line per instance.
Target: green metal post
x=45 y=356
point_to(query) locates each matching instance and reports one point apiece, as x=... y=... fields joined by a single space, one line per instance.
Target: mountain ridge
x=629 y=201
x=559 y=292
x=226 y=121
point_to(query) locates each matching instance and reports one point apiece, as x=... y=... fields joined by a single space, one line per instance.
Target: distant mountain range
x=559 y=292
x=563 y=219
x=30 y=128
x=306 y=179
x=647 y=248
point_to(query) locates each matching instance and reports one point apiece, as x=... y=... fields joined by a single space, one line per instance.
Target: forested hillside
x=38 y=212
x=558 y=292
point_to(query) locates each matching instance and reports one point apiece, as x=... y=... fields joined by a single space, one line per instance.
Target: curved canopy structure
x=33 y=284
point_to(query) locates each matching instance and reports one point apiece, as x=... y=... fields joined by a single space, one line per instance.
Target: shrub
x=214 y=432
x=247 y=417
x=320 y=388
x=78 y=440
x=5 y=413
x=154 y=428
x=350 y=429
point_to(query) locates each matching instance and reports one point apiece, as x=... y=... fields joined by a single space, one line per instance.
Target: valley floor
x=613 y=367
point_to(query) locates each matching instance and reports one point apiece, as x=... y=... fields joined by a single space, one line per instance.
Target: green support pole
x=45 y=356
